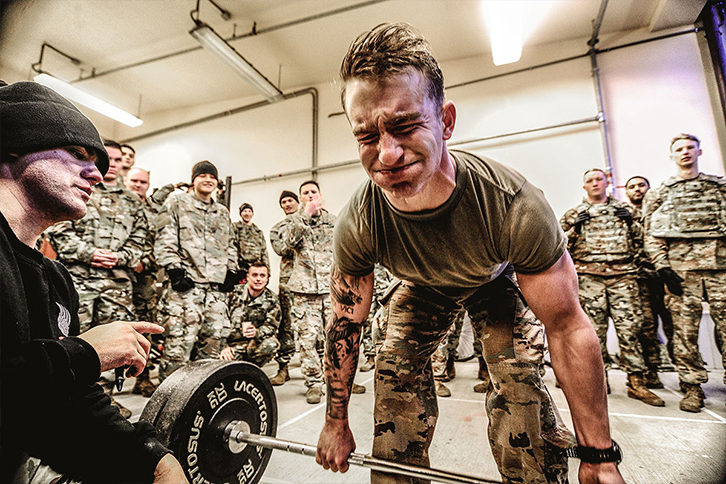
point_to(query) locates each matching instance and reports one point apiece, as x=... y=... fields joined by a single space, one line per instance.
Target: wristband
x=591 y=455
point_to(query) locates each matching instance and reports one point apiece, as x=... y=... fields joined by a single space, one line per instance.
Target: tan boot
x=144 y=386
x=450 y=369
x=369 y=364
x=357 y=389
x=282 y=376
x=651 y=379
x=693 y=400
x=638 y=391
x=314 y=394
x=441 y=389
x=484 y=386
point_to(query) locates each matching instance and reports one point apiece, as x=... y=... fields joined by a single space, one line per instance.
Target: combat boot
x=441 y=389
x=693 y=401
x=282 y=376
x=357 y=389
x=651 y=379
x=638 y=391
x=369 y=364
x=450 y=371
x=314 y=394
x=484 y=386
x=483 y=371
x=144 y=386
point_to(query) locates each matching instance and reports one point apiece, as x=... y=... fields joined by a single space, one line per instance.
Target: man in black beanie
x=53 y=413
x=195 y=246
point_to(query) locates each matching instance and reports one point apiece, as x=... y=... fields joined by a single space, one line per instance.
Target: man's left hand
x=104 y=258
x=624 y=214
x=605 y=473
x=169 y=471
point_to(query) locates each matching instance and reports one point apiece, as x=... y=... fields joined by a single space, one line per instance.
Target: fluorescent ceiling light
x=88 y=100
x=505 y=20
x=211 y=41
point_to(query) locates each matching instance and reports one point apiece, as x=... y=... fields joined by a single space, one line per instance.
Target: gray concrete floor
x=660 y=445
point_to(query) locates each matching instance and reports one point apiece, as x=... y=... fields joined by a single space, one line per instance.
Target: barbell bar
x=235 y=435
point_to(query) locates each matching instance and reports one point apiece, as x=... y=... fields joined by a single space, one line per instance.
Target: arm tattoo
x=341 y=292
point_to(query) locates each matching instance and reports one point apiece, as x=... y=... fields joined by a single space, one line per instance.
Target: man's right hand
x=580 y=219
x=605 y=473
x=672 y=280
x=313 y=207
x=180 y=281
x=335 y=445
x=122 y=344
x=169 y=471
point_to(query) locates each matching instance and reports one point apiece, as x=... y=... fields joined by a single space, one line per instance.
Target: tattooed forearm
x=341 y=292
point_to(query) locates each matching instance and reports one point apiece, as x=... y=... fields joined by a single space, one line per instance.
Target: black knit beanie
x=245 y=205
x=204 y=167
x=288 y=193
x=36 y=118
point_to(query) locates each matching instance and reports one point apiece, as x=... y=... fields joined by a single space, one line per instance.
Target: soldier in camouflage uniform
x=601 y=236
x=255 y=319
x=289 y=203
x=382 y=279
x=652 y=291
x=101 y=250
x=250 y=240
x=195 y=246
x=453 y=227
x=685 y=224
x=128 y=159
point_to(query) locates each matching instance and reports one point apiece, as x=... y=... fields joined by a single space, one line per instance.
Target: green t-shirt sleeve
x=531 y=238
x=353 y=250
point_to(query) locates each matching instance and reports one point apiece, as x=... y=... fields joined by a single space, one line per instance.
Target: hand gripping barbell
x=220 y=419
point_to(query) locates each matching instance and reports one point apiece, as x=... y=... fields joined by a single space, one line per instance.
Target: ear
x=448 y=117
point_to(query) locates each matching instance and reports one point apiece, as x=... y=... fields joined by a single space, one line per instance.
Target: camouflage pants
x=526 y=434
x=145 y=297
x=649 y=343
x=447 y=347
x=102 y=301
x=687 y=311
x=195 y=320
x=285 y=333
x=257 y=350
x=368 y=348
x=656 y=300
x=616 y=297
x=310 y=312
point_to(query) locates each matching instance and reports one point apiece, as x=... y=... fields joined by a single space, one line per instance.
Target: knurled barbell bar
x=220 y=420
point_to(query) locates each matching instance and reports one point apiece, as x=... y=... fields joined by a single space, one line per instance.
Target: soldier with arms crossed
x=453 y=227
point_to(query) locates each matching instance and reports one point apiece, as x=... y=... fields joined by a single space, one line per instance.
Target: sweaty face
x=127 y=158
x=596 y=185
x=246 y=215
x=257 y=278
x=685 y=153
x=204 y=185
x=636 y=190
x=309 y=193
x=400 y=130
x=138 y=182
x=114 y=164
x=58 y=183
x=289 y=205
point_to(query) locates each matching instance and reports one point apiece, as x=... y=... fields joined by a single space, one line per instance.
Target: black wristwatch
x=591 y=455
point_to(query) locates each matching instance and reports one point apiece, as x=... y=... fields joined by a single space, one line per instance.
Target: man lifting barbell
x=454 y=228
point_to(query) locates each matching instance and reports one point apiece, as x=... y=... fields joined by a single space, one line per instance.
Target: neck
x=24 y=222
x=205 y=198
x=254 y=293
x=598 y=200
x=110 y=183
x=638 y=204
x=435 y=193
x=688 y=173
x=247 y=223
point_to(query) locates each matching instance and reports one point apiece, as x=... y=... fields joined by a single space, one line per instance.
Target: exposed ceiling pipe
x=255 y=31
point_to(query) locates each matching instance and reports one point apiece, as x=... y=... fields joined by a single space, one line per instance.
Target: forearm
x=657 y=250
x=351 y=300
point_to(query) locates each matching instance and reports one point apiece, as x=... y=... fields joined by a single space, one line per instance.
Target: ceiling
x=145 y=61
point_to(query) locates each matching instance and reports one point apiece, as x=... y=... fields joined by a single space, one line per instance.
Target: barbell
x=220 y=420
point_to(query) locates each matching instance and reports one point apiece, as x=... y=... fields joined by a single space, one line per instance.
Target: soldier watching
x=286 y=334
x=255 y=319
x=601 y=236
x=250 y=240
x=101 y=250
x=685 y=237
x=195 y=246
x=128 y=159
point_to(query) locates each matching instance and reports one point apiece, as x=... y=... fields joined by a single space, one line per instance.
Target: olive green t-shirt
x=493 y=218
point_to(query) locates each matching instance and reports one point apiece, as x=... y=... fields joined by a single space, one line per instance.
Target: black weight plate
x=213 y=394
x=159 y=397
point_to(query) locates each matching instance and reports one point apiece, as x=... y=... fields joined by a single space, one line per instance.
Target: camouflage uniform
x=264 y=313
x=197 y=237
x=115 y=221
x=448 y=347
x=651 y=302
x=525 y=426
x=312 y=239
x=144 y=287
x=286 y=333
x=382 y=279
x=685 y=223
x=251 y=245
x=604 y=255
